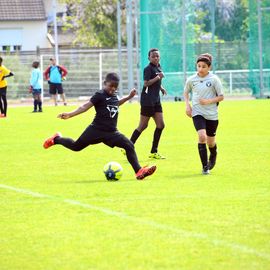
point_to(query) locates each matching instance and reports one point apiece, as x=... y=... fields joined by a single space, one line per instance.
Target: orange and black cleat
x=145 y=171
x=50 y=141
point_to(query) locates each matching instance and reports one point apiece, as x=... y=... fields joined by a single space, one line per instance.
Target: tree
x=94 y=22
x=230 y=19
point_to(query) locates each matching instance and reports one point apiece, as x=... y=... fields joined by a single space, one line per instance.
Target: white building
x=24 y=24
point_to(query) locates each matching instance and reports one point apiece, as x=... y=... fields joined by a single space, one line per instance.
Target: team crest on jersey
x=208 y=84
x=113 y=110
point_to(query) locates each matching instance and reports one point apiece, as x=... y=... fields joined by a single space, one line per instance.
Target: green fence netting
x=161 y=26
x=255 y=50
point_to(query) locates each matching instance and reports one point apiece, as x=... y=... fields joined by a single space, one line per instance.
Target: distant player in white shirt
x=206 y=92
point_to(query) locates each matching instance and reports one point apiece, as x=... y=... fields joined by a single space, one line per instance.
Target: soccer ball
x=113 y=171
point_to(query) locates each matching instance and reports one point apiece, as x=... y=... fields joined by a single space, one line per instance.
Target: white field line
x=180 y=232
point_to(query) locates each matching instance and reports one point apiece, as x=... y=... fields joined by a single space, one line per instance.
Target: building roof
x=22 y=10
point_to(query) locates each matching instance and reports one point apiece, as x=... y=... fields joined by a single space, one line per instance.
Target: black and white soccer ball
x=113 y=171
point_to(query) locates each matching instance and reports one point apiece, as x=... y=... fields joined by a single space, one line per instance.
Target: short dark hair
x=35 y=64
x=152 y=50
x=112 y=77
x=206 y=58
x=1 y=60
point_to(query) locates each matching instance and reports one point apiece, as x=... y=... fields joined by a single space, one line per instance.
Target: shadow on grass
x=87 y=181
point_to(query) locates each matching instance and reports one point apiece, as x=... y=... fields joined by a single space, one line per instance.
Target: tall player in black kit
x=103 y=128
x=150 y=102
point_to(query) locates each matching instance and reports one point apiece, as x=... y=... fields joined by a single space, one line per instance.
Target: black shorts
x=3 y=91
x=56 y=88
x=209 y=125
x=150 y=111
x=92 y=135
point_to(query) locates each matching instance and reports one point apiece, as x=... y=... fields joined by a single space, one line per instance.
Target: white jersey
x=207 y=87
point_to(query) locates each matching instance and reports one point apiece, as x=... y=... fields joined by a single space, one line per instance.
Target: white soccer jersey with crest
x=207 y=87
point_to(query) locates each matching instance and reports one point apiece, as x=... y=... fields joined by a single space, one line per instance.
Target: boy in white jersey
x=207 y=92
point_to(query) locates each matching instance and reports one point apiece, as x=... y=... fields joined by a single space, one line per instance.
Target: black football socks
x=203 y=153
x=156 y=139
x=135 y=135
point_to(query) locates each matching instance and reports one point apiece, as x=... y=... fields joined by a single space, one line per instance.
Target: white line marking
x=164 y=227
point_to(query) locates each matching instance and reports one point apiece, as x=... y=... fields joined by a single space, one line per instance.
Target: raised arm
x=9 y=75
x=130 y=96
x=85 y=107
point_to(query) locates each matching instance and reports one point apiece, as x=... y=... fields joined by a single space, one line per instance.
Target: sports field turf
x=59 y=213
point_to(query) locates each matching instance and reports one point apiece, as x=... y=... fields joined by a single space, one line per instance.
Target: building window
x=6 y=48
x=17 y=48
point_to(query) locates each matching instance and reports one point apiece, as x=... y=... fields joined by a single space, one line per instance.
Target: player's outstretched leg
x=50 y=141
x=145 y=171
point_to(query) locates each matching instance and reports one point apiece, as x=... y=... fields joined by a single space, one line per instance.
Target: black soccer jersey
x=150 y=95
x=106 y=107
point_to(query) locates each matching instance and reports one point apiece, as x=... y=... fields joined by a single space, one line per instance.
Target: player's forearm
x=216 y=99
x=186 y=98
x=124 y=99
x=152 y=81
x=9 y=75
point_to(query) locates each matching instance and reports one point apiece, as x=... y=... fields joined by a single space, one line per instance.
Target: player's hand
x=189 y=111
x=163 y=91
x=204 y=101
x=63 y=116
x=132 y=93
x=161 y=75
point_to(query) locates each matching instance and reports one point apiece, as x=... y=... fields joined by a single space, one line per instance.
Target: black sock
x=135 y=135
x=213 y=151
x=133 y=159
x=35 y=104
x=40 y=105
x=156 y=139
x=203 y=153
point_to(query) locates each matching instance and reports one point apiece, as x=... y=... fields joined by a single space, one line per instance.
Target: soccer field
x=58 y=212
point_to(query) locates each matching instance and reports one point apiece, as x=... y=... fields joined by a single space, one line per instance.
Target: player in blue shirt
x=55 y=74
x=104 y=126
x=35 y=86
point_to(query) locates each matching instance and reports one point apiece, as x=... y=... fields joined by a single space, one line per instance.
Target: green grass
x=73 y=219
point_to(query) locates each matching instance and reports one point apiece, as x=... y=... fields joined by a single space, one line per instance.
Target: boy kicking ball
x=103 y=129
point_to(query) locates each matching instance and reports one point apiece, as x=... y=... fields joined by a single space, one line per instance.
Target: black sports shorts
x=209 y=125
x=91 y=135
x=150 y=111
x=56 y=88
x=3 y=91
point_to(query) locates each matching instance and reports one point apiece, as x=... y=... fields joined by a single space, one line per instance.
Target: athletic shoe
x=50 y=141
x=65 y=104
x=123 y=151
x=156 y=156
x=34 y=111
x=205 y=170
x=40 y=110
x=212 y=162
x=2 y=115
x=145 y=171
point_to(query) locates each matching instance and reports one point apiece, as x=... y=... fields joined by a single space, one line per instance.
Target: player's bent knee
x=202 y=138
